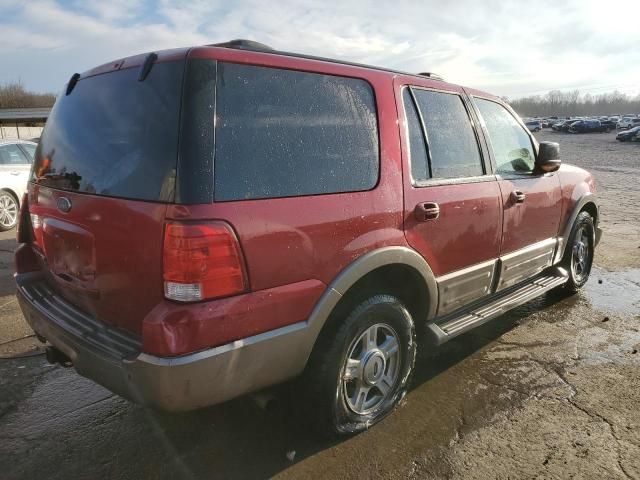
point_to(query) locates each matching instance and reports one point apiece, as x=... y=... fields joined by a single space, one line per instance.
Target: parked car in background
x=588 y=126
x=16 y=157
x=608 y=123
x=636 y=137
x=628 y=122
x=559 y=126
x=567 y=125
x=627 y=135
x=534 y=125
x=312 y=246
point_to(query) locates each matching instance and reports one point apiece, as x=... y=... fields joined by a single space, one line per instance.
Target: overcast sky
x=511 y=48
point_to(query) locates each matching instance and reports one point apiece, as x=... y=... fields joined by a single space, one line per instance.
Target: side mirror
x=548 y=159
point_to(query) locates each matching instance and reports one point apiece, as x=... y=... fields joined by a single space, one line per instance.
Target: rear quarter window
x=283 y=133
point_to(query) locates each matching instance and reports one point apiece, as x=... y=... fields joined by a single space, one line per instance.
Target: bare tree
x=14 y=95
x=572 y=103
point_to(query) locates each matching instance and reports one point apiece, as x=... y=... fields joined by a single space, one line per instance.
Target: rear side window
x=12 y=155
x=417 y=150
x=283 y=133
x=510 y=143
x=453 y=150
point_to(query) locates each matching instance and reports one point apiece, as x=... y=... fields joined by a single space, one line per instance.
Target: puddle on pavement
x=614 y=291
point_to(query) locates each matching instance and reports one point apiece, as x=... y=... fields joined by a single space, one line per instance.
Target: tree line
x=573 y=103
x=14 y=95
x=556 y=102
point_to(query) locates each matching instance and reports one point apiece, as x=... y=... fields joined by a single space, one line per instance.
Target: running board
x=479 y=313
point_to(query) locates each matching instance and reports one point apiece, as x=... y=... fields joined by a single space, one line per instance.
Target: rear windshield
x=115 y=136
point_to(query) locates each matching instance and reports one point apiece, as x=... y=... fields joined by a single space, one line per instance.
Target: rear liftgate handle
x=426 y=211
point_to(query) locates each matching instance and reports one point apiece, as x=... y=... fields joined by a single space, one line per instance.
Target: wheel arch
x=586 y=203
x=387 y=269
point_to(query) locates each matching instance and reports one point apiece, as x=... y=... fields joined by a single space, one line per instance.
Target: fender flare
x=358 y=269
x=586 y=199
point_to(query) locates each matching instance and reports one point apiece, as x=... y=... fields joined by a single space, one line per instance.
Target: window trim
x=407 y=133
x=298 y=70
x=532 y=140
x=487 y=174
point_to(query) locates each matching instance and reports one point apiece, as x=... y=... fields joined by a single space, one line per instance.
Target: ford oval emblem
x=64 y=204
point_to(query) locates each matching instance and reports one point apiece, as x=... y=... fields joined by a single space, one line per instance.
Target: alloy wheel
x=8 y=210
x=371 y=369
x=580 y=257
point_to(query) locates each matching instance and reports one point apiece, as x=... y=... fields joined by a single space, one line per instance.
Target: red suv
x=202 y=223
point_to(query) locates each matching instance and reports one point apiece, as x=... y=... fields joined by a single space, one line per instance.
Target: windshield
x=114 y=135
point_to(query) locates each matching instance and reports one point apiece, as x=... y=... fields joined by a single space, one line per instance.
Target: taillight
x=201 y=261
x=36 y=225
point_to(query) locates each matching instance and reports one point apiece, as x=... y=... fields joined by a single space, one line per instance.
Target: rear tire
x=8 y=211
x=360 y=370
x=578 y=255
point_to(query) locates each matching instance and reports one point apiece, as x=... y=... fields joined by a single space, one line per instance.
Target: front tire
x=360 y=369
x=578 y=256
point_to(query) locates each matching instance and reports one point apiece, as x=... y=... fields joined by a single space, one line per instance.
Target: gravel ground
x=550 y=390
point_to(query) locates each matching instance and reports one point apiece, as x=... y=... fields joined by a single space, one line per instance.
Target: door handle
x=517 y=196
x=426 y=211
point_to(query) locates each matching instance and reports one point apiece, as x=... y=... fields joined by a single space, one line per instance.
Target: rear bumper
x=112 y=358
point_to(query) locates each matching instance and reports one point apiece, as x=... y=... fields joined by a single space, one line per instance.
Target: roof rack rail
x=431 y=75
x=243 y=44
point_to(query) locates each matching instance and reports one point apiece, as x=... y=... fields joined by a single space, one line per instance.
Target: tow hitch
x=56 y=356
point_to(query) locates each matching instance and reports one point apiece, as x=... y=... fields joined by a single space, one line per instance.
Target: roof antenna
x=145 y=68
x=72 y=82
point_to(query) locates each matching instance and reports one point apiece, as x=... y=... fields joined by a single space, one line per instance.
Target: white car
x=534 y=125
x=16 y=157
x=628 y=122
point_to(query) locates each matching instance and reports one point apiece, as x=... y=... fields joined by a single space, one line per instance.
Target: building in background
x=22 y=123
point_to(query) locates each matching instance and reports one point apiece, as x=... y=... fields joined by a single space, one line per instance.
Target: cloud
x=506 y=47
x=110 y=10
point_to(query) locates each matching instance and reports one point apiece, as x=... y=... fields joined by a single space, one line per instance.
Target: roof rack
x=243 y=44
x=431 y=75
x=251 y=45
